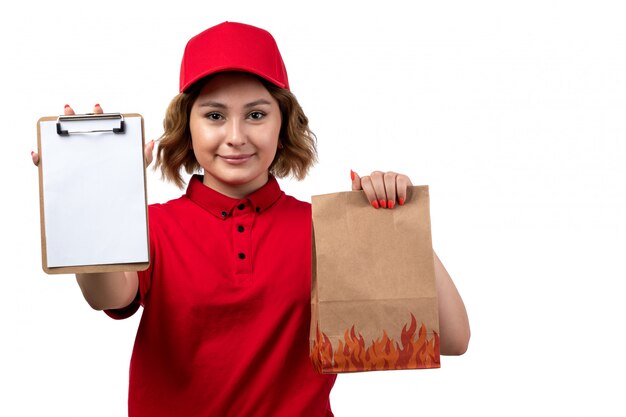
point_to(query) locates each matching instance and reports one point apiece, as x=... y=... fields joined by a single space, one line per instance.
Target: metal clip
x=91 y=116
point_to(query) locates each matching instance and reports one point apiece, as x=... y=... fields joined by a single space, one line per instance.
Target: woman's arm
x=108 y=290
x=454 y=330
x=383 y=190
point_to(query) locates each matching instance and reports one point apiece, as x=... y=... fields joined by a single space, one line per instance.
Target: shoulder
x=176 y=204
x=291 y=214
x=292 y=203
x=171 y=210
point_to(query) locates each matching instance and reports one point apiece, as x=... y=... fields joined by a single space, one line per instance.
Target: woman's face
x=234 y=125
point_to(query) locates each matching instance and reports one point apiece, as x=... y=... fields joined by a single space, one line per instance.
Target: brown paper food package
x=373 y=299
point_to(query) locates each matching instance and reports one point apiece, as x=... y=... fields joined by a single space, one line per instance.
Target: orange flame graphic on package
x=351 y=355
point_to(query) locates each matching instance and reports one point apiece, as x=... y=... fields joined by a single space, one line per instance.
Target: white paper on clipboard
x=93 y=192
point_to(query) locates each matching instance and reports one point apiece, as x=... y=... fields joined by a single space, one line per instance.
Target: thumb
x=147 y=152
x=356 y=181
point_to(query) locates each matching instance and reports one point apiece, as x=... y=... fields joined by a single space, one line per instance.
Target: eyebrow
x=217 y=104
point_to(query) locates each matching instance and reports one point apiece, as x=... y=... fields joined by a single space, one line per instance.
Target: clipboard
x=92 y=193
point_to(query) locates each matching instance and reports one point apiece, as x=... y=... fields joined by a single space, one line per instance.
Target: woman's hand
x=68 y=111
x=383 y=189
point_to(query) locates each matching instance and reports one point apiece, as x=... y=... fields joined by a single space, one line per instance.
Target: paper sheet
x=93 y=191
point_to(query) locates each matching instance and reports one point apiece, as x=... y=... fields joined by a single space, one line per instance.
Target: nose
x=236 y=134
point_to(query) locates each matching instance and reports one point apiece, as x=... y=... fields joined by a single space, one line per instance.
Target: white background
x=514 y=113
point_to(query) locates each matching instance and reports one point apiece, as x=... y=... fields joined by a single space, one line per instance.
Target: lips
x=236 y=159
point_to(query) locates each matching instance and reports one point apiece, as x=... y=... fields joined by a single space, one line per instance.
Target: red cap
x=232 y=46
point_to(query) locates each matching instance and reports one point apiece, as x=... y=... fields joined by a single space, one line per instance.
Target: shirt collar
x=222 y=206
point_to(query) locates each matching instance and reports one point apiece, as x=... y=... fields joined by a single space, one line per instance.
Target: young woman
x=226 y=299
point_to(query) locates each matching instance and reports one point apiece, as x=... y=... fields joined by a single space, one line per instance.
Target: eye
x=214 y=116
x=256 y=115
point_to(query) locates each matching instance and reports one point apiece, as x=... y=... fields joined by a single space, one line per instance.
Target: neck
x=238 y=191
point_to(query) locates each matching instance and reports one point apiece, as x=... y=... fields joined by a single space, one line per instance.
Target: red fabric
x=225 y=323
x=232 y=46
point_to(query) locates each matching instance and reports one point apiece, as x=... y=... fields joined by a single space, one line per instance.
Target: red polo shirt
x=226 y=309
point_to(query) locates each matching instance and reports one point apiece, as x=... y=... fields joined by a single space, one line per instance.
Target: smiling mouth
x=236 y=159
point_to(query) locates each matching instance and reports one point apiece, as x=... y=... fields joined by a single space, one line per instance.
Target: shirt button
x=242 y=255
x=224 y=214
x=258 y=209
x=241 y=206
x=240 y=228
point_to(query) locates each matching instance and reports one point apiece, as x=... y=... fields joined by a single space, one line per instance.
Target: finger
x=97 y=109
x=356 y=181
x=35 y=156
x=147 y=152
x=368 y=188
x=378 y=182
x=389 y=179
x=68 y=111
x=402 y=184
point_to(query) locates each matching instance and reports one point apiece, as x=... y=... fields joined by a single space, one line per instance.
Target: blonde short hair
x=294 y=157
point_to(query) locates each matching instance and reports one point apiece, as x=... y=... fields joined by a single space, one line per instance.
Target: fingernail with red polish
x=390 y=204
x=383 y=203
x=97 y=105
x=32 y=153
x=401 y=201
x=375 y=204
x=352 y=175
x=66 y=106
